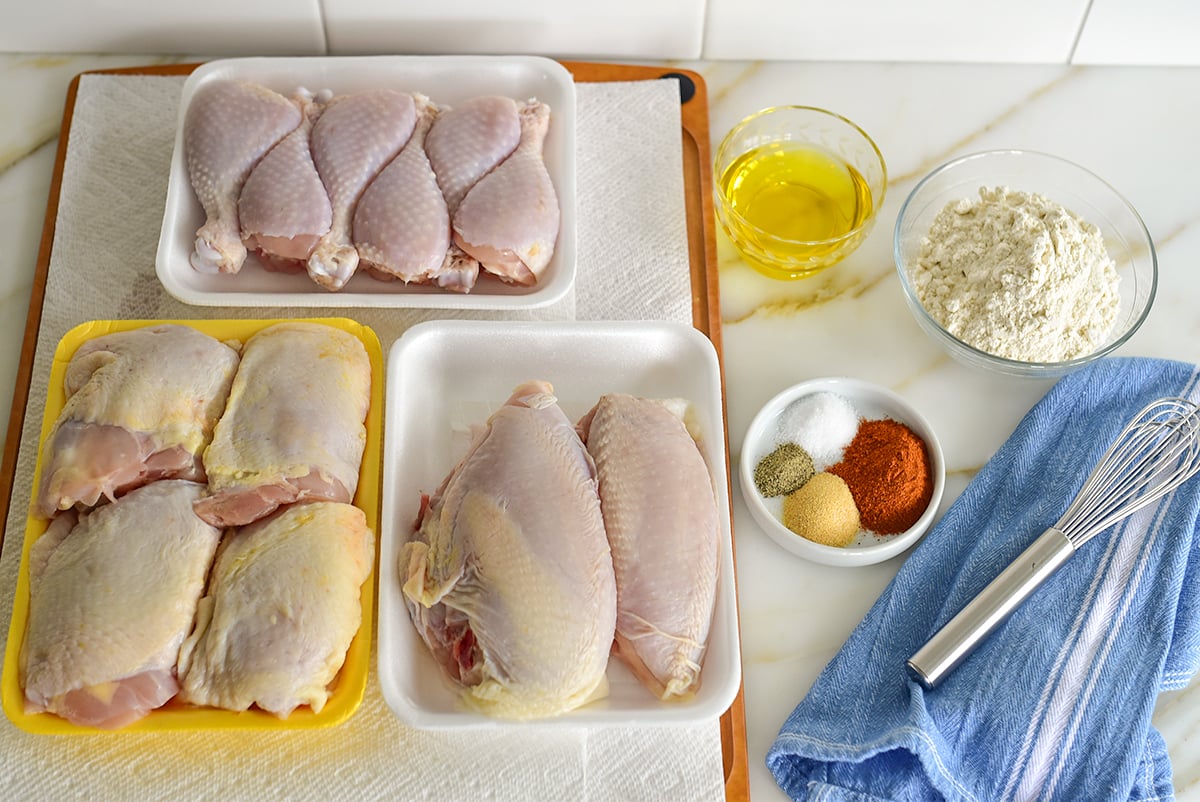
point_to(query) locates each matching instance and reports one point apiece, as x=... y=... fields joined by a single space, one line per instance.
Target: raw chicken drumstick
x=509 y=219
x=284 y=209
x=401 y=225
x=464 y=145
x=352 y=140
x=229 y=126
x=469 y=140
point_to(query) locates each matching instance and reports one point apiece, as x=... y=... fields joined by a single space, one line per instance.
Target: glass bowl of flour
x=1024 y=263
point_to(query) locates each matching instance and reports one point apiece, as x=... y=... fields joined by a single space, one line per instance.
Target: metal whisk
x=1155 y=453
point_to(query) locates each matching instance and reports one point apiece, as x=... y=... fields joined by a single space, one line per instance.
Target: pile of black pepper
x=785 y=469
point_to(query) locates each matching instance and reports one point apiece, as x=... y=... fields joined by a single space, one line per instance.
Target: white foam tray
x=448 y=80
x=443 y=377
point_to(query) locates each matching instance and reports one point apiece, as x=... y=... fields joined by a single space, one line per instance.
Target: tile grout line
x=1087 y=12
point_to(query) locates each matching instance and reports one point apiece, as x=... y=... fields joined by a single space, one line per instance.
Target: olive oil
x=790 y=200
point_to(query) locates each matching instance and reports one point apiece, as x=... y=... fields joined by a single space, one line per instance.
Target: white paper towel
x=633 y=264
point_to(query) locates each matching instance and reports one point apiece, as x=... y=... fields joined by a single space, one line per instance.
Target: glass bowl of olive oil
x=797 y=189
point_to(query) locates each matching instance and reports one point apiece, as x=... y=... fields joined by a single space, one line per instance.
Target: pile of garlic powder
x=1019 y=276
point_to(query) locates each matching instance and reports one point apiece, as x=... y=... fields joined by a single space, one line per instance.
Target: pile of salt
x=823 y=424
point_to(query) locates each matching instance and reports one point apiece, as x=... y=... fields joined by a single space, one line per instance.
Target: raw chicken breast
x=283 y=604
x=293 y=428
x=660 y=513
x=509 y=219
x=284 y=209
x=509 y=580
x=141 y=405
x=354 y=138
x=228 y=127
x=112 y=597
x=401 y=225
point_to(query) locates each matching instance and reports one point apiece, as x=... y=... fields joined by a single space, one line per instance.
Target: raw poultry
x=354 y=138
x=281 y=609
x=402 y=225
x=293 y=429
x=298 y=202
x=113 y=594
x=466 y=144
x=509 y=219
x=141 y=405
x=283 y=208
x=509 y=580
x=115 y=590
x=229 y=126
x=660 y=514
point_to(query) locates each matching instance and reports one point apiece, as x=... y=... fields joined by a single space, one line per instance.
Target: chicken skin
x=141 y=405
x=509 y=219
x=284 y=209
x=229 y=126
x=355 y=136
x=293 y=429
x=465 y=144
x=113 y=594
x=468 y=141
x=402 y=225
x=283 y=604
x=660 y=513
x=509 y=580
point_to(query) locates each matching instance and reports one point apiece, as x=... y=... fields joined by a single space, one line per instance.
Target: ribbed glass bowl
x=1079 y=190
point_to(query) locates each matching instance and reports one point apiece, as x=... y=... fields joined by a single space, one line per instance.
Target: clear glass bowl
x=1087 y=195
x=840 y=168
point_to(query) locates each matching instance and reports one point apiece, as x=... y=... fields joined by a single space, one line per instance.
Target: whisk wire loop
x=1156 y=452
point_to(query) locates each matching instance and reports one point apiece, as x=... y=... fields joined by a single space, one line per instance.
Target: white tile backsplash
x=1160 y=32
x=1152 y=32
x=619 y=29
x=1029 y=31
x=166 y=27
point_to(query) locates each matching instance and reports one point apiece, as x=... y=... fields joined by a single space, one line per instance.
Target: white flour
x=1018 y=276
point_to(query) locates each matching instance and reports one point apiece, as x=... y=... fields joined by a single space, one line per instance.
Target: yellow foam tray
x=349 y=685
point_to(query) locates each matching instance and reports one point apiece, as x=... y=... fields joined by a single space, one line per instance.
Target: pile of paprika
x=887 y=468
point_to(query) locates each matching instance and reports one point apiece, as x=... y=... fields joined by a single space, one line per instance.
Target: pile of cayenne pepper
x=886 y=467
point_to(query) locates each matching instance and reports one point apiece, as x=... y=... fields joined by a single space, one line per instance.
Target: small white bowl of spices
x=842 y=472
x=1024 y=263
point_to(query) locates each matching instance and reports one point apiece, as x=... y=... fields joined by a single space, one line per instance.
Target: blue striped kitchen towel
x=1056 y=703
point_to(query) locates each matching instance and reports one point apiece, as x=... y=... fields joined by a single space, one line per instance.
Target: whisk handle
x=955 y=641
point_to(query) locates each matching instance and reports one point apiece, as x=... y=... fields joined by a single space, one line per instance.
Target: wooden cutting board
x=706 y=306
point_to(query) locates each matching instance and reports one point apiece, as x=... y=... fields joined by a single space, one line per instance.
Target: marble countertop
x=1134 y=126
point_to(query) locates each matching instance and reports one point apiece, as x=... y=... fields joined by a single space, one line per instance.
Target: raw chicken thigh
x=229 y=126
x=112 y=598
x=660 y=513
x=509 y=219
x=293 y=428
x=141 y=405
x=284 y=209
x=283 y=604
x=509 y=579
x=401 y=225
x=352 y=140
